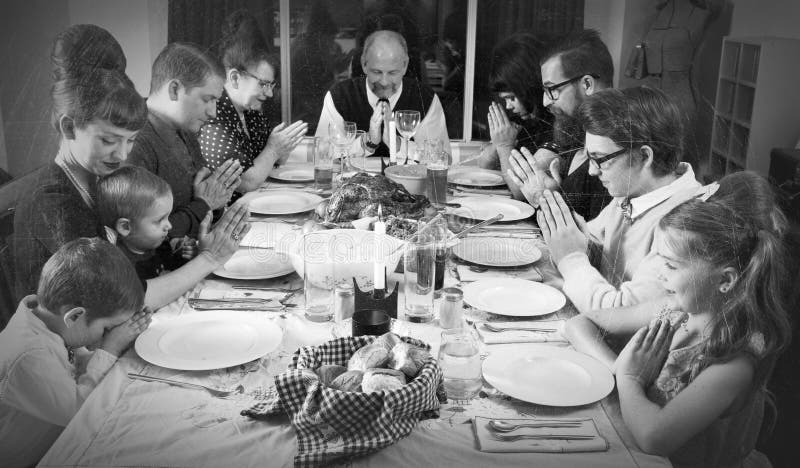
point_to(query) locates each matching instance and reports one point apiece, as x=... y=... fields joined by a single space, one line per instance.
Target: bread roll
x=376 y=380
x=407 y=358
x=329 y=372
x=350 y=381
x=387 y=340
x=371 y=355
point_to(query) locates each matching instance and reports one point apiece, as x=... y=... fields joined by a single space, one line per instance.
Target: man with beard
x=573 y=69
x=367 y=100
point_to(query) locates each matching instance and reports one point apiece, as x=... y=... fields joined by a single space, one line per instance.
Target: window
x=324 y=40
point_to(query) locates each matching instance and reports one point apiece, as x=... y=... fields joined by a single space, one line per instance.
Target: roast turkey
x=361 y=195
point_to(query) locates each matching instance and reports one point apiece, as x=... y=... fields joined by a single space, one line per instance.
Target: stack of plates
x=475 y=176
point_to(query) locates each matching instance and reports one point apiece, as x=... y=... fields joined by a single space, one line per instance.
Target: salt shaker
x=451 y=311
x=344 y=302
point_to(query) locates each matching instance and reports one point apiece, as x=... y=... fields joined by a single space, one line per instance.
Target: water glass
x=323 y=163
x=319 y=277
x=460 y=360
x=419 y=272
x=437 y=177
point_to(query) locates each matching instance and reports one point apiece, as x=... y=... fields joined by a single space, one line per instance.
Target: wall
x=27 y=30
x=766 y=18
x=608 y=17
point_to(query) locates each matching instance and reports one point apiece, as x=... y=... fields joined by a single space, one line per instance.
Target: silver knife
x=248 y=303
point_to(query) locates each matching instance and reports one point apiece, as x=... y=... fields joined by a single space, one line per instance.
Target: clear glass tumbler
x=419 y=275
x=460 y=360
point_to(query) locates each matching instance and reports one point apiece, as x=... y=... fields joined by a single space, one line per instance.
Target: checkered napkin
x=333 y=424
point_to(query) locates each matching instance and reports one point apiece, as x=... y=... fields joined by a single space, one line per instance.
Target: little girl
x=695 y=390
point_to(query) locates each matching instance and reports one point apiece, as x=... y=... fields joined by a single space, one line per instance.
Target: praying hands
x=534 y=173
x=563 y=230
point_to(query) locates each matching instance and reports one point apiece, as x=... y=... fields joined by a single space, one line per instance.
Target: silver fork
x=514 y=437
x=212 y=391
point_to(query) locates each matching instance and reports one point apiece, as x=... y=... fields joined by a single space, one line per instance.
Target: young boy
x=88 y=296
x=134 y=206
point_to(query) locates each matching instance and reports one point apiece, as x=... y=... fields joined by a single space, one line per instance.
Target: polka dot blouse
x=224 y=137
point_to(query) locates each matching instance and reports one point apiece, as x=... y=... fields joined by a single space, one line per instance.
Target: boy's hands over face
x=119 y=338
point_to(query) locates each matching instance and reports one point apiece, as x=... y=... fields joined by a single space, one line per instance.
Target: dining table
x=130 y=422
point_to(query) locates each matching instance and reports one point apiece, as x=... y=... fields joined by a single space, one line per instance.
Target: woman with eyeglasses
x=240 y=130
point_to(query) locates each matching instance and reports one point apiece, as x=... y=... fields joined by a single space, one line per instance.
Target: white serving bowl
x=351 y=251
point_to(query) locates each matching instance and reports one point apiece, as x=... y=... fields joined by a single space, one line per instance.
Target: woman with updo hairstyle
x=97 y=111
x=240 y=130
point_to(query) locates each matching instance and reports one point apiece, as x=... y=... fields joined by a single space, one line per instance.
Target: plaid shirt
x=333 y=424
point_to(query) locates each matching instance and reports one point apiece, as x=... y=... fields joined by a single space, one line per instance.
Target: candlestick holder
x=365 y=300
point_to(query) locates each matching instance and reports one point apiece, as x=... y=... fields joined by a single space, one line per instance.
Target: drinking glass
x=460 y=360
x=419 y=274
x=360 y=152
x=407 y=122
x=323 y=163
x=319 y=277
x=438 y=162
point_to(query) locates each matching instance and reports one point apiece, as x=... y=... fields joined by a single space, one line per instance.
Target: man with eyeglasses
x=634 y=145
x=573 y=69
x=185 y=85
x=369 y=100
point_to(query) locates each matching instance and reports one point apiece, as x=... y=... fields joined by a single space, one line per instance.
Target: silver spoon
x=505 y=426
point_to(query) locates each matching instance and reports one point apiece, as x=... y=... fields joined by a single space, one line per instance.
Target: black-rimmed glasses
x=553 y=92
x=270 y=85
x=596 y=162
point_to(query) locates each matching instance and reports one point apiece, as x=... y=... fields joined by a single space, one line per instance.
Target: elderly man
x=634 y=145
x=184 y=89
x=572 y=70
x=366 y=100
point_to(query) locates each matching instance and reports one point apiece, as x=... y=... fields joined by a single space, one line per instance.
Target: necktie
x=627 y=210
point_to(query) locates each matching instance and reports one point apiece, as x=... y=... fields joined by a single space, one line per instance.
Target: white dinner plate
x=475 y=176
x=281 y=202
x=513 y=297
x=368 y=164
x=253 y=263
x=548 y=375
x=297 y=172
x=482 y=208
x=269 y=234
x=497 y=252
x=208 y=340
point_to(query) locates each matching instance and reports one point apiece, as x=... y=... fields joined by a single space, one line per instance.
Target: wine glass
x=407 y=122
x=342 y=135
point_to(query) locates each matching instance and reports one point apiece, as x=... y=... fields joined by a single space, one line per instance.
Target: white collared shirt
x=433 y=125
x=686 y=181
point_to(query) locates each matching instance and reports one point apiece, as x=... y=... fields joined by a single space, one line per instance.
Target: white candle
x=392 y=141
x=379 y=273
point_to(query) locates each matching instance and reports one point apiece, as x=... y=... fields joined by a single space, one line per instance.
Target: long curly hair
x=740 y=226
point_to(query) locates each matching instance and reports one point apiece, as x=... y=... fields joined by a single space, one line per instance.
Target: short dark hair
x=243 y=45
x=515 y=69
x=90 y=82
x=583 y=53
x=93 y=274
x=637 y=116
x=127 y=193
x=186 y=63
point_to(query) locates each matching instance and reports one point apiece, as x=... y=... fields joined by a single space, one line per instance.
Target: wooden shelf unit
x=757 y=108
